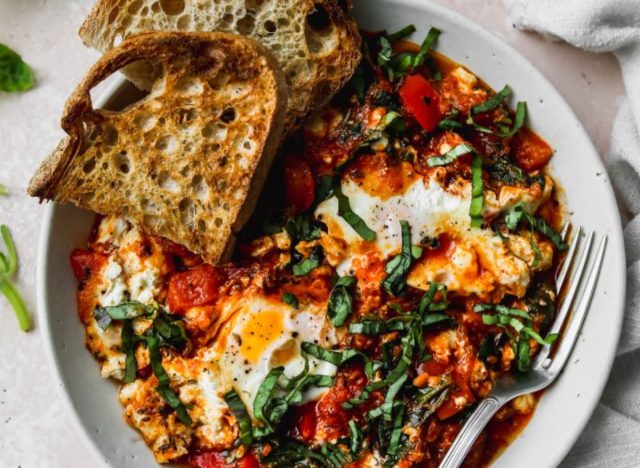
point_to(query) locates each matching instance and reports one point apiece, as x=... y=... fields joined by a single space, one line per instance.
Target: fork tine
x=576 y=278
x=562 y=274
x=570 y=337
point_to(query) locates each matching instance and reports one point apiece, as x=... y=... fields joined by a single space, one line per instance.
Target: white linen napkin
x=612 y=437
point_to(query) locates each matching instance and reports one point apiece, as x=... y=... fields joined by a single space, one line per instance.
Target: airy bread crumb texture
x=182 y=162
x=315 y=41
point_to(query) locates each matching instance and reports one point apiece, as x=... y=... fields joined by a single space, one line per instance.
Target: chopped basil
x=337 y=358
x=516 y=214
x=340 y=302
x=324 y=188
x=379 y=327
x=242 y=416
x=163 y=388
x=127 y=338
x=174 y=402
x=15 y=75
x=165 y=330
x=302 y=228
x=400 y=64
x=170 y=330
x=523 y=355
x=398 y=267
x=291 y=300
x=311 y=263
x=355 y=221
x=477 y=198
x=493 y=102
x=402 y=33
x=396 y=433
x=520 y=321
x=356 y=438
x=449 y=124
x=427 y=45
x=521 y=115
x=504 y=170
x=294 y=453
x=125 y=311
x=450 y=155
x=264 y=397
x=8 y=268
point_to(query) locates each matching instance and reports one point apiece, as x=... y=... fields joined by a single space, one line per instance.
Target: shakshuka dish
x=400 y=262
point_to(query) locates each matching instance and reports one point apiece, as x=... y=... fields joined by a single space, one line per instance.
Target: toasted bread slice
x=315 y=41
x=186 y=162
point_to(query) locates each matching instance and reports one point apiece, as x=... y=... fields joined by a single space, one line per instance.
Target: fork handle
x=470 y=431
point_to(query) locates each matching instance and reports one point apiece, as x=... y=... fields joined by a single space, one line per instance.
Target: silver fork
x=547 y=366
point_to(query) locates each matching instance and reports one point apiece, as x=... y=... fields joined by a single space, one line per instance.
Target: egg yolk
x=262 y=329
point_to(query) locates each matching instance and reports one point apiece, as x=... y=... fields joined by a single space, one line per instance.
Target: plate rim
x=493 y=40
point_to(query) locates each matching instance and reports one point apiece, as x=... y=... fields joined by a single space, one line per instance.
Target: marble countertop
x=35 y=432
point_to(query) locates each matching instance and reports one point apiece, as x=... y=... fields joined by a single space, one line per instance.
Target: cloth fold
x=612 y=437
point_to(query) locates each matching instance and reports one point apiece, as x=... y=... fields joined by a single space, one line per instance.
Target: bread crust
x=325 y=56
x=186 y=194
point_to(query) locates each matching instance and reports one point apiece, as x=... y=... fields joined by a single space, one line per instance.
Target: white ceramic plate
x=564 y=409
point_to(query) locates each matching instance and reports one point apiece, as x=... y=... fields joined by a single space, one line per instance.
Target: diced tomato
x=332 y=419
x=421 y=100
x=305 y=420
x=530 y=151
x=195 y=287
x=299 y=184
x=218 y=460
x=84 y=262
x=458 y=399
x=432 y=367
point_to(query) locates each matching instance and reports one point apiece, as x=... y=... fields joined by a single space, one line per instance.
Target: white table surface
x=35 y=432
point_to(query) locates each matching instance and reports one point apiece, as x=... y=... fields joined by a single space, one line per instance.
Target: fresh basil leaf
x=170 y=330
x=128 y=347
x=385 y=53
x=324 y=188
x=15 y=75
x=174 y=402
x=340 y=303
x=125 y=311
x=355 y=221
x=477 y=198
x=537 y=255
x=521 y=115
x=378 y=327
x=163 y=388
x=450 y=155
x=427 y=45
x=517 y=213
x=302 y=228
x=543 y=228
x=396 y=433
x=265 y=394
x=513 y=217
x=389 y=399
x=3 y=190
x=356 y=438
x=402 y=33
x=449 y=124
x=239 y=410
x=311 y=263
x=291 y=300
x=295 y=454
x=398 y=267
x=504 y=170
x=523 y=354
x=493 y=102
x=337 y=358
